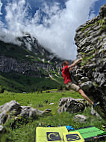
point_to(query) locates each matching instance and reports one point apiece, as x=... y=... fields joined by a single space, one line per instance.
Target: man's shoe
x=95 y=104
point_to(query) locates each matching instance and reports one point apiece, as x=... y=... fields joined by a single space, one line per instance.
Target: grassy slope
x=14 y=51
x=26 y=133
x=20 y=83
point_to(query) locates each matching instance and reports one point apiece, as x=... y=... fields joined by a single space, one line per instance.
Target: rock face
x=91 y=46
x=71 y=105
x=28 y=58
x=14 y=110
x=9 y=64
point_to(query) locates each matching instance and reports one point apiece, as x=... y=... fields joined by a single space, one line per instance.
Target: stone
x=11 y=106
x=80 y=118
x=28 y=111
x=71 y=105
x=93 y=112
x=9 y=109
x=84 y=79
x=86 y=85
x=1 y=128
x=51 y=104
x=13 y=110
x=3 y=117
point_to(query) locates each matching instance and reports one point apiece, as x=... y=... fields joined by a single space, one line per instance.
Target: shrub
x=2 y=89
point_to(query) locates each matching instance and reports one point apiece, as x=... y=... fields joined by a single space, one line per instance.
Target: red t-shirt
x=66 y=74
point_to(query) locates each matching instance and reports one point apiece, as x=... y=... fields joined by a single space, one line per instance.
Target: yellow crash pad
x=73 y=137
x=50 y=134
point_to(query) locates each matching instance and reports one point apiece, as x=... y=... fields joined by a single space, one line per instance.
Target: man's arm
x=75 y=63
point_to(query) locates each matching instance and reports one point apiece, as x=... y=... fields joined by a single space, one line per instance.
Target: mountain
x=28 y=63
x=91 y=46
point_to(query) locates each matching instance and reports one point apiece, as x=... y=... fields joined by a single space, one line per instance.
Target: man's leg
x=84 y=96
x=77 y=88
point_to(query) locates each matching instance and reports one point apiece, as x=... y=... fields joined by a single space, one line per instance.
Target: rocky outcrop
x=91 y=46
x=13 y=110
x=71 y=105
x=29 y=57
x=9 y=64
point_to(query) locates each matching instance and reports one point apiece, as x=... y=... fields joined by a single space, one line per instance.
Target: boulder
x=30 y=112
x=71 y=105
x=80 y=118
x=3 y=117
x=1 y=128
x=10 y=106
x=84 y=79
x=93 y=112
x=86 y=85
x=9 y=109
x=90 y=39
x=14 y=110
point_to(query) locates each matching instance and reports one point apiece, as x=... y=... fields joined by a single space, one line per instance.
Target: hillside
x=28 y=66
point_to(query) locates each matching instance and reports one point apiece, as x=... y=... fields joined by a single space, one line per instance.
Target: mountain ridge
x=29 y=59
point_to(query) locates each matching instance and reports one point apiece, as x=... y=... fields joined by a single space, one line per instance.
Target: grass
x=26 y=132
x=100 y=22
x=14 y=51
x=86 y=27
x=16 y=82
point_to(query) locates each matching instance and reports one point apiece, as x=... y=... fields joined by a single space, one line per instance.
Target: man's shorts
x=73 y=86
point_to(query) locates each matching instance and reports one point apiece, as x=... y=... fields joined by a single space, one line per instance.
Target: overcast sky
x=52 y=22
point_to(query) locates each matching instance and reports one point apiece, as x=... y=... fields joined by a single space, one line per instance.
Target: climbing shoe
x=95 y=104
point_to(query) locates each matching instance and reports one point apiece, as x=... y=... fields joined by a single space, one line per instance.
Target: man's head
x=65 y=63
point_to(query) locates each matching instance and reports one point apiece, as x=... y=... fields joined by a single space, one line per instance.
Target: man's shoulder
x=65 y=67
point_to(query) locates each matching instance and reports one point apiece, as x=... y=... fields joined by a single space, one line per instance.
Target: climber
x=67 y=79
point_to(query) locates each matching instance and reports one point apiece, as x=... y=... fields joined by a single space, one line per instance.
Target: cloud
x=52 y=26
x=0 y=7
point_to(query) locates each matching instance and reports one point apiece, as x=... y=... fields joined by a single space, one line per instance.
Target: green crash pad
x=90 y=133
x=47 y=134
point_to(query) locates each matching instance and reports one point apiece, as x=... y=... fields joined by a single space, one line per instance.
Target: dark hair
x=65 y=63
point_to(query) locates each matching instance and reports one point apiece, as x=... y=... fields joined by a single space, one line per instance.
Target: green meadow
x=15 y=82
x=25 y=131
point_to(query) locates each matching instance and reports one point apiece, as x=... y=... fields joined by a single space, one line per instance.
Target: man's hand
x=80 y=59
x=70 y=68
x=75 y=63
